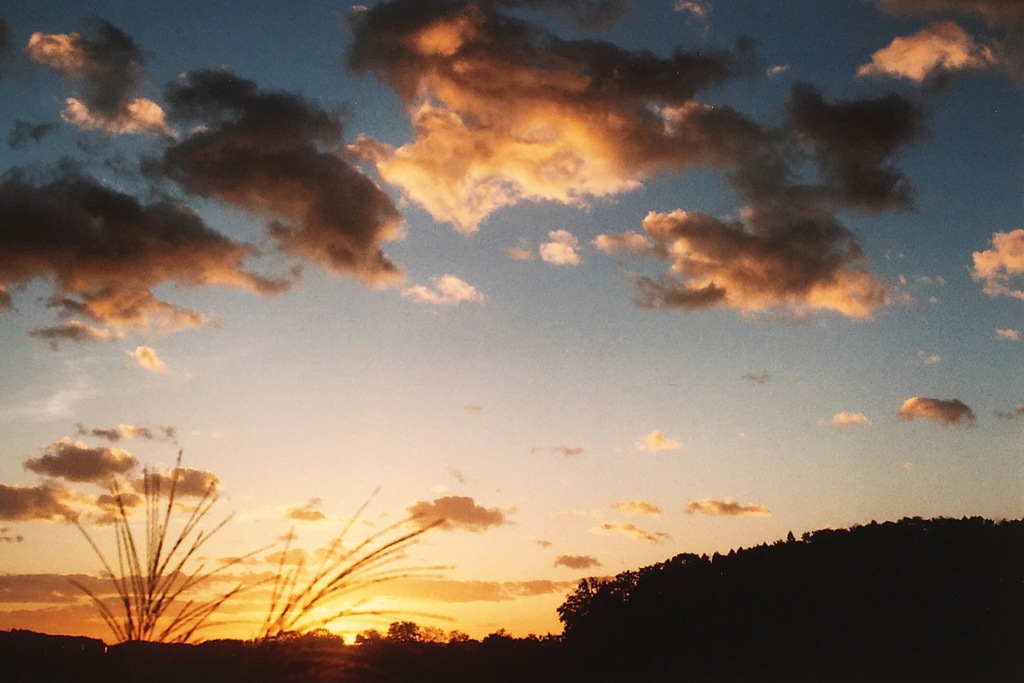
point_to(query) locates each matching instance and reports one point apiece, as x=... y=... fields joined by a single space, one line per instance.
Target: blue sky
x=621 y=280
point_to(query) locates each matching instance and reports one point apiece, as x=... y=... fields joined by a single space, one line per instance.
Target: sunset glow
x=574 y=285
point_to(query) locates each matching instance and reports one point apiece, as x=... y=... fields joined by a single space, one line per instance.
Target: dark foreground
x=916 y=600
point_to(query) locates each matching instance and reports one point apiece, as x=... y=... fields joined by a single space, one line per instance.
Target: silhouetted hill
x=915 y=600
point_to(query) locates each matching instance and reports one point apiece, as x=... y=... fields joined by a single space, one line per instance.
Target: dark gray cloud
x=789 y=251
x=105 y=250
x=74 y=461
x=274 y=154
x=127 y=431
x=23 y=131
x=185 y=480
x=71 y=331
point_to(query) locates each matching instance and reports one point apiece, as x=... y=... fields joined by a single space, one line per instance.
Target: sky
x=594 y=282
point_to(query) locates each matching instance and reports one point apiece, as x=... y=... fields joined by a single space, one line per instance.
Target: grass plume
x=301 y=592
x=155 y=585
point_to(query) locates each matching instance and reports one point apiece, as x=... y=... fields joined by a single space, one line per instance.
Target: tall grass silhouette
x=157 y=589
x=303 y=592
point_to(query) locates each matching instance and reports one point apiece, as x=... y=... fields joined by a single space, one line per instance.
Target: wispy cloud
x=726 y=508
x=637 y=507
x=763 y=377
x=632 y=530
x=447 y=290
x=1016 y=413
x=568 y=451
x=457 y=512
x=657 y=441
x=943 y=411
x=309 y=512
x=72 y=331
x=127 y=431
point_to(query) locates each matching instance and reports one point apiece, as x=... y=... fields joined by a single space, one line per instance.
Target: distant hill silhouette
x=915 y=600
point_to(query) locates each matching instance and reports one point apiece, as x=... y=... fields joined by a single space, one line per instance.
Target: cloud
x=845 y=419
x=657 y=441
x=561 y=250
x=698 y=9
x=145 y=357
x=126 y=431
x=726 y=508
x=72 y=331
x=1008 y=335
x=1010 y=414
x=777 y=70
x=444 y=590
x=929 y=358
x=74 y=461
x=293 y=557
x=939 y=47
x=457 y=512
x=568 y=451
x=577 y=561
x=25 y=130
x=637 y=507
x=788 y=252
x=7 y=537
x=109 y=67
x=504 y=111
x=543 y=542
x=447 y=290
x=29 y=503
x=1005 y=19
x=186 y=482
x=632 y=530
x=105 y=250
x=997 y=267
x=763 y=377
x=307 y=512
x=276 y=155
x=944 y=412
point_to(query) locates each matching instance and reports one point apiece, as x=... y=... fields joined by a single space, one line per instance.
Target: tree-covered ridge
x=939 y=599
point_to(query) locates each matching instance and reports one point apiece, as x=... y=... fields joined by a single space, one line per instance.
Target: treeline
x=914 y=600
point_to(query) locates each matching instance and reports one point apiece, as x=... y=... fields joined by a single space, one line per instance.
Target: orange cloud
x=657 y=441
x=145 y=357
x=1008 y=335
x=447 y=290
x=726 y=508
x=562 y=250
x=185 y=480
x=845 y=419
x=109 y=66
x=633 y=531
x=307 y=512
x=637 y=507
x=999 y=266
x=457 y=512
x=944 y=412
x=939 y=47
x=504 y=111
